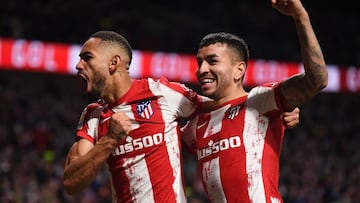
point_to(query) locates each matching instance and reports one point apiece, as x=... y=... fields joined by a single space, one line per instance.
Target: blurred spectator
x=320 y=157
x=38 y=112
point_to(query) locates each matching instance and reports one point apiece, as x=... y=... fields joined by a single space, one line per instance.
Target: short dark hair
x=114 y=37
x=233 y=41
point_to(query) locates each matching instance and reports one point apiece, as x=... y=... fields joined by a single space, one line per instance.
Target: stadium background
x=38 y=111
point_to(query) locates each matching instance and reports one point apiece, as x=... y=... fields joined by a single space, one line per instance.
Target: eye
x=212 y=61
x=85 y=56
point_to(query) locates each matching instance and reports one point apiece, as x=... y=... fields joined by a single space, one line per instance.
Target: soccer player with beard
x=133 y=128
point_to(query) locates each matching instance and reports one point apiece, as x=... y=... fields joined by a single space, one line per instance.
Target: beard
x=93 y=95
x=98 y=87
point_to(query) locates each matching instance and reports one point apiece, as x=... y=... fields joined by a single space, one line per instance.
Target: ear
x=114 y=63
x=240 y=69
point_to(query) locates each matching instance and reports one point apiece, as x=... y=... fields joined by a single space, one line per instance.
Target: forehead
x=91 y=45
x=213 y=49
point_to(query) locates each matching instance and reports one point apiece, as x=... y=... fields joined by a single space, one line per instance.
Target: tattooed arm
x=300 y=88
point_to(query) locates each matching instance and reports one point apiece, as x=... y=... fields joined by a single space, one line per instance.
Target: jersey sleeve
x=185 y=101
x=87 y=125
x=266 y=98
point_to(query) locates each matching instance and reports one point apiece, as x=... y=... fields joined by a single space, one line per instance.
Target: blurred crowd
x=320 y=161
x=178 y=25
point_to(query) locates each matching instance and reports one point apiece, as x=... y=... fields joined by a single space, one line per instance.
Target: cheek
x=98 y=76
x=224 y=78
x=97 y=70
x=197 y=73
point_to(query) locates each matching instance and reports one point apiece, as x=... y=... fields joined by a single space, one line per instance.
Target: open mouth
x=84 y=80
x=207 y=81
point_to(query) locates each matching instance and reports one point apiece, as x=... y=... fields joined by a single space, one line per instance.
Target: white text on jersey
x=138 y=143
x=221 y=145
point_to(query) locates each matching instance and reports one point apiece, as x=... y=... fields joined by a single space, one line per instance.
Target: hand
x=289 y=7
x=119 y=126
x=291 y=119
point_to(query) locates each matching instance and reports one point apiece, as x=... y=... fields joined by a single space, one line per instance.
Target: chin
x=93 y=95
x=207 y=93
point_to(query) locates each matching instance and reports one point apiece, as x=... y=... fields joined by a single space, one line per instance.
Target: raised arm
x=85 y=159
x=300 y=88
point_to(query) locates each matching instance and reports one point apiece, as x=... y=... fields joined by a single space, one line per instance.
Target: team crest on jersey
x=234 y=111
x=145 y=109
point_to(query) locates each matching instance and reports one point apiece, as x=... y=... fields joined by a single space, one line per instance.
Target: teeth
x=207 y=80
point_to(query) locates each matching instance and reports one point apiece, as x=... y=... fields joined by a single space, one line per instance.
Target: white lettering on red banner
x=171 y=65
x=62 y=58
x=33 y=54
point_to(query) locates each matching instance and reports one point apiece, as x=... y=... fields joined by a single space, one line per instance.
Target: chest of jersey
x=148 y=127
x=220 y=131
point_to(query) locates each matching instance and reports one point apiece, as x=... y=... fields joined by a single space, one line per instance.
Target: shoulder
x=92 y=108
x=268 y=85
x=264 y=88
x=162 y=80
x=165 y=85
x=265 y=97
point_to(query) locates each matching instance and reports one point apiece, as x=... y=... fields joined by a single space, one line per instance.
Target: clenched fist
x=119 y=126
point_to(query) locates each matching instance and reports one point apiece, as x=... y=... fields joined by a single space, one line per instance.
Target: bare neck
x=117 y=88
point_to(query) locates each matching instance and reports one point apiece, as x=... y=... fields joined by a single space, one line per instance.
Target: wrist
x=120 y=136
x=301 y=15
x=116 y=136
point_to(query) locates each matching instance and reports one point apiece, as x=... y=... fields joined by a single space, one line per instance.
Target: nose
x=203 y=68
x=79 y=65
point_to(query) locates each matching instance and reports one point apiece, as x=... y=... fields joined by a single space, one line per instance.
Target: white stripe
x=172 y=145
x=211 y=174
x=260 y=100
x=139 y=177
x=92 y=128
x=175 y=102
x=254 y=137
x=215 y=122
x=150 y=109
x=169 y=102
x=146 y=113
x=93 y=123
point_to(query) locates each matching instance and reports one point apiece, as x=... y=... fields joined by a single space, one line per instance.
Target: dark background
x=320 y=160
x=178 y=25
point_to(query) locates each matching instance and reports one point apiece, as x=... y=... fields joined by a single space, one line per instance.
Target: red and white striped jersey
x=147 y=165
x=238 y=147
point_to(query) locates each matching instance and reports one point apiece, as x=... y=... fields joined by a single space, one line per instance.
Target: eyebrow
x=212 y=56
x=208 y=56
x=84 y=54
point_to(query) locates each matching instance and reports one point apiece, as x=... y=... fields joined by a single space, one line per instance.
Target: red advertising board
x=25 y=55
